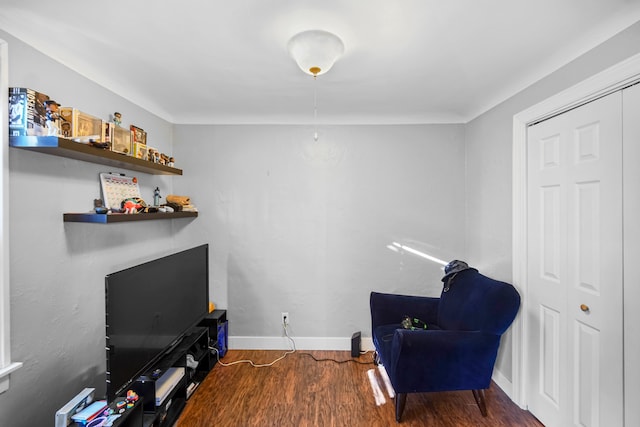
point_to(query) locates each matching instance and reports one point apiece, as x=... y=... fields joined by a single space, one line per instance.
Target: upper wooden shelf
x=74 y=150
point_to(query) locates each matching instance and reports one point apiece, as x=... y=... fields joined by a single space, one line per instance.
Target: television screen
x=149 y=307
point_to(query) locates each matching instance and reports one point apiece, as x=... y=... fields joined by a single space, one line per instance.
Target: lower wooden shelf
x=111 y=218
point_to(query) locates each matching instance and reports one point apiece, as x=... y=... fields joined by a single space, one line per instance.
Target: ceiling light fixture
x=315 y=52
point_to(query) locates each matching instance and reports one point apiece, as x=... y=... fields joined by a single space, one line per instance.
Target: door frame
x=608 y=81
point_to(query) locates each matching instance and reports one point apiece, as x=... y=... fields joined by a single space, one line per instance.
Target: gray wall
x=58 y=269
x=488 y=142
x=303 y=226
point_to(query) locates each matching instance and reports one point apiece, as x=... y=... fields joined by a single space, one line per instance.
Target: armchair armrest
x=390 y=308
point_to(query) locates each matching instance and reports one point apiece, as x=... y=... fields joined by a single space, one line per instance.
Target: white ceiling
x=405 y=61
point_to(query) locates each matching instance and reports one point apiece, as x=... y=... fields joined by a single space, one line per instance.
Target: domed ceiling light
x=315 y=52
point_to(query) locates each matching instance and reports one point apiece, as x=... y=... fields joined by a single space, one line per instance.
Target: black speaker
x=355 y=344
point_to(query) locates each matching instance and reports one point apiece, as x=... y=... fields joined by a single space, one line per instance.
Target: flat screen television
x=149 y=307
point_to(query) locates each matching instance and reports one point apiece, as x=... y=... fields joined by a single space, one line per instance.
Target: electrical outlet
x=285 y=318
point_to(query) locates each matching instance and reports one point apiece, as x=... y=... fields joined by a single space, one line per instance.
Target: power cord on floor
x=259 y=365
x=293 y=350
x=340 y=361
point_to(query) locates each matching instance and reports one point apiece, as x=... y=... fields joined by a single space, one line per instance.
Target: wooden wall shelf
x=74 y=150
x=111 y=218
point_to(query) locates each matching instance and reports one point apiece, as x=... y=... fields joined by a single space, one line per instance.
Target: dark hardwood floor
x=300 y=391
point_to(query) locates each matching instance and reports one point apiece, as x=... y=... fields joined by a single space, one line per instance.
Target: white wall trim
x=502 y=382
x=301 y=343
x=608 y=81
x=6 y=366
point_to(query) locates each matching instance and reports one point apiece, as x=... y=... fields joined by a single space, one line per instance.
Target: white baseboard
x=301 y=343
x=503 y=382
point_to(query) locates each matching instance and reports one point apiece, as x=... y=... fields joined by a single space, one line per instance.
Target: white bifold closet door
x=575 y=266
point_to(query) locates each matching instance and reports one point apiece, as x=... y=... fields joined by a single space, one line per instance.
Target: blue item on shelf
x=223 y=328
x=90 y=412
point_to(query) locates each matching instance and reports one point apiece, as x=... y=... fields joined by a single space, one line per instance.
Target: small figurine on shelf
x=52 y=115
x=99 y=207
x=133 y=205
x=132 y=396
x=117 y=119
x=172 y=162
x=156 y=197
x=66 y=129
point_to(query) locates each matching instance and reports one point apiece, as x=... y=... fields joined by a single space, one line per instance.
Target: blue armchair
x=458 y=348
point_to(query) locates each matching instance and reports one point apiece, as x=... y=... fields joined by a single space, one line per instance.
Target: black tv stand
x=174 y=345
x=150 y=385
x=197 y=343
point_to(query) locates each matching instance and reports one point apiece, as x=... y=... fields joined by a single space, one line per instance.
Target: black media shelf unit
x=131 y=417
x=216 y=321
x=196 y=344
